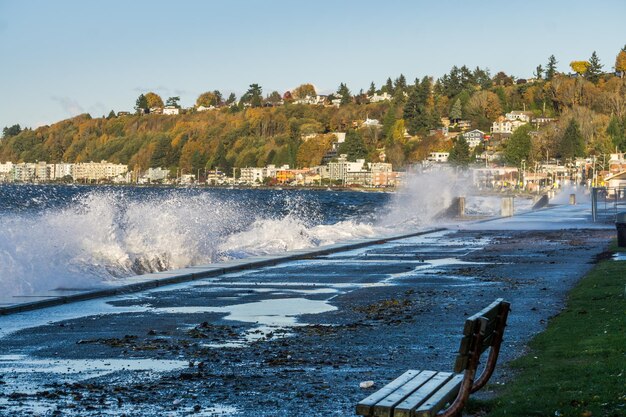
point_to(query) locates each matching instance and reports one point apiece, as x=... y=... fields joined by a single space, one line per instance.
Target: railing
x=606 y=202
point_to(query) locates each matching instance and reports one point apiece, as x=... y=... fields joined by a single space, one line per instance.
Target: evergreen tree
x=353 y=146
x=141 y=105
x=111 y=115
x=616 y=130
x=539 y=71
x=456 y=113
x=388 y=87
x=344 y=91
x=551 y=68
x=8 y=132
x=518 y=146
x=173 y=101
x=254 y=96
x=460 y=153
x=417 y=116
x=572 y=143
x=595 y=68
x=231 y=99
x=160 y=153
x=372 y=89
x=400 y=84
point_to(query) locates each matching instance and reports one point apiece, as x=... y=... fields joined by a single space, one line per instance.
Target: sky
x=61 y=58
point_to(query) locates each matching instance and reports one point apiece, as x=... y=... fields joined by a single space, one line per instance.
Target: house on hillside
x=171 y=110
x=474 y=138
x=376 y=98
x=522 y=116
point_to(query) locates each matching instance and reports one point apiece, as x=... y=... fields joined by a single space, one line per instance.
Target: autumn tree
x=303 y=91
x=311 y=152
x=595 y=68
x=153 y=100
x=572 y=143
x=551 y=68
x=274 y=98
x=579 y=67
x=483 y=107
x=207 y=99
x=620 y=62
x=518 y=146
x=460 y=153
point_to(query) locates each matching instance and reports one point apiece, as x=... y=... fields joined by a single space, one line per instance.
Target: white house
x=370 y=123
x=438 y=156
x=204 y=108
x=171 y=110
x=378 y=98
x=474 y=138
x=522 y=116
x=505 y=126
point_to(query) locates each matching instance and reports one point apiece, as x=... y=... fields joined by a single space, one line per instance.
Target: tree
x=11 y=131
x=519 y=146
x=154 y=100
x=400 y=84
x=388 y=87
x=253 y=96
x=304 y=90
x=141 y=105
x=539 y=71
x=620 y=62
x=207 y=99
x=274 y=98
x=483 y=107
x=572 y=143
x=173 y=101
x=460 y=153
x=616 y=130
x=456 y=112
x=231 y=99
x=372 y=90
x=353 y=146
x=344 y=92
x=595 y=68
x=111 y=115
x=579 y=67
x=417 y=116
x=551 y=68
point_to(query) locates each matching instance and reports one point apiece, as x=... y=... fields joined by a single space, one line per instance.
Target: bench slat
x=384 y=408
x=439 y=399
x=405 y=408
x=490 y=313
x=364 y=407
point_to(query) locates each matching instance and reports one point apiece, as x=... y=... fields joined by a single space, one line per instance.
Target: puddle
x=16 y=364
x=619 y=256
x=276 y=313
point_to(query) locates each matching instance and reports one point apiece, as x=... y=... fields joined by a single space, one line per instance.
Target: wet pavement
x=295 y=339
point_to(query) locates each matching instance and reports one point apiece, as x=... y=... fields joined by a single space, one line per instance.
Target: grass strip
x=577 y=366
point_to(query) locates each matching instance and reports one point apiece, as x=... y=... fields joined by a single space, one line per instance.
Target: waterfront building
x=97 y=171
x=438 y=156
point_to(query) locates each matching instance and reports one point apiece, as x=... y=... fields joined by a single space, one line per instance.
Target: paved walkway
x=298 y=336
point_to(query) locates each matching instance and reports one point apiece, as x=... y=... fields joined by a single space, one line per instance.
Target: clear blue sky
x=59 y=58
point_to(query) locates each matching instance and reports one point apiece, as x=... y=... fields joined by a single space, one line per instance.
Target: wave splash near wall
x=103 y=234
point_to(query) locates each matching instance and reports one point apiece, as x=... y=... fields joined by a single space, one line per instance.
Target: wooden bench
x=431 y=393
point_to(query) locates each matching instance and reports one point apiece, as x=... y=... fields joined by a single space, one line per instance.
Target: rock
x=366 y=384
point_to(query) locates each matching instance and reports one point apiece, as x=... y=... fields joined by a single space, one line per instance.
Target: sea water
x=68 y=236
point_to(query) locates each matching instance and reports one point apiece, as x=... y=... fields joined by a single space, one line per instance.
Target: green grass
x=577 y=367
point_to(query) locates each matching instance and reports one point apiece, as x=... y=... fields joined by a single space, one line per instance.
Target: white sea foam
x=104 y=234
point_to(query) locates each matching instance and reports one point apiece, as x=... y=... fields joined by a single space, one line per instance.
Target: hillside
x=241 y=136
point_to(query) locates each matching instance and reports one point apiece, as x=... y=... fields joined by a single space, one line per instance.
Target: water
x=77 y=236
